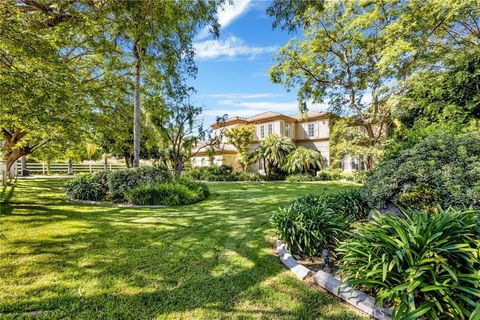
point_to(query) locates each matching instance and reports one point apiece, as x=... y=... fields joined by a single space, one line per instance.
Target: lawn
x=209 y=260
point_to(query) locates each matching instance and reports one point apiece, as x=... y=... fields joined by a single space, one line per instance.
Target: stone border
x=115 y=205
x=358 y=299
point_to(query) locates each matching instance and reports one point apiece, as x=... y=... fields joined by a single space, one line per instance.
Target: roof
x=300 y=117
x=264 y=115
x=308 y=115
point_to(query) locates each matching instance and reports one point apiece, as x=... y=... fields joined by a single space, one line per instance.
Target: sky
x=233 y=69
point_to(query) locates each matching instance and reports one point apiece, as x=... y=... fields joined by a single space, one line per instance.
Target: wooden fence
x=37 y=168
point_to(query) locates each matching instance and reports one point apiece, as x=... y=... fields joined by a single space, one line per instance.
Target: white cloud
x=261 y=106
x=228 y=13
x=229 y=48
x=239 y=95
x=230 y=113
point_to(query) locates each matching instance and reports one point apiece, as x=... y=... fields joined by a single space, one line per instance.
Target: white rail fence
x=36 y=168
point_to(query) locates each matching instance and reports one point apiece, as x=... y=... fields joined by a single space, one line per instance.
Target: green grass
x=210 y=260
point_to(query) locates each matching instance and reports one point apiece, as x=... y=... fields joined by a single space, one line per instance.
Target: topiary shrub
x=425 y=264
x=121 y=181
x=85 y=188
x=442 y=170
x=301 y=178
x=308 y=229
x=178 y=193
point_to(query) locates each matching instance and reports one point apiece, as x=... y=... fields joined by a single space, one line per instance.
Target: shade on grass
x=209 y=260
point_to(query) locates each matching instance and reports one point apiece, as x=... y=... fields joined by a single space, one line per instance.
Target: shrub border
x=358 y=299
x=115 y=205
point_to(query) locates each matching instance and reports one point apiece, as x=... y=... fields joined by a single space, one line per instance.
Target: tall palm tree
x=274 y=150
x=304 y=160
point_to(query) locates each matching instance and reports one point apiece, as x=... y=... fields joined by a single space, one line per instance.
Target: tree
x=241 y=138
x=356 y=55
x=157 y=36
x=48 y=75
x=304 y=160
x=274 y=150
x=183 y=130
x=337 y=59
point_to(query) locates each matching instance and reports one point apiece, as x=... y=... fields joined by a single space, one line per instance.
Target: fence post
x=105 y=165
x=69 y=167
x=43 y=168
x=3 y=172
x=110 y=166
x=90 y=166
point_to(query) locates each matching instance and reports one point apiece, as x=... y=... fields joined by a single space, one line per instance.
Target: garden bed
x=144 y=186
x=333 y=284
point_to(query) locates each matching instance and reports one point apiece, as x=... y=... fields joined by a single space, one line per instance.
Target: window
x=262 y=131
x=311 y=130
x=355 y=163
x=203 y=161
x=288 y=130
x=270 y=128
x=194 y=162
x=260 y=164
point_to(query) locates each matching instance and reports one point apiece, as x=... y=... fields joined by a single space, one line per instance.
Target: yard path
x=214 y=259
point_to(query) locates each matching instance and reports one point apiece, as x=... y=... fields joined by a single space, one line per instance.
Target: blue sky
x=233 y=69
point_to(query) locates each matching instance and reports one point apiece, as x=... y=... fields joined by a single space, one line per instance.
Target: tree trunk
x=371 y=137
x=137 y=108
x=11 y=153
x=25 y=172
x=178 y=166
x=69 y=167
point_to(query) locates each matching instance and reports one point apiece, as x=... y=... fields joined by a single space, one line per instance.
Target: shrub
x=85 y=188
x=276 y=175
x=442 y=170
x=178 y=193
x=308 y=228
x=300 y=178
x=330 y=174
x=198 y=187
x=350 y=203
x=250 y=176
x=121 y=181
x=426 y=265
x=101 y=177
x=358 y=177
x=212 y=173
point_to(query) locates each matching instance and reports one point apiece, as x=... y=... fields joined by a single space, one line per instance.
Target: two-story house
x=308 y=130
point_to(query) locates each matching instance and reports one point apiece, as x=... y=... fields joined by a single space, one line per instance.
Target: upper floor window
x=288 y=130
x=262 y=131
x=270 y=128
x=311 y=130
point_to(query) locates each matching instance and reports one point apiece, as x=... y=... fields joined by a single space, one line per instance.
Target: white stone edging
x=333 y=285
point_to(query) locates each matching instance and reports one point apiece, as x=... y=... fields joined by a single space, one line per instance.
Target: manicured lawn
x=209 y=260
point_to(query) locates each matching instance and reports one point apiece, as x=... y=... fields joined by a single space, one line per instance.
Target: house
x=310 y=130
